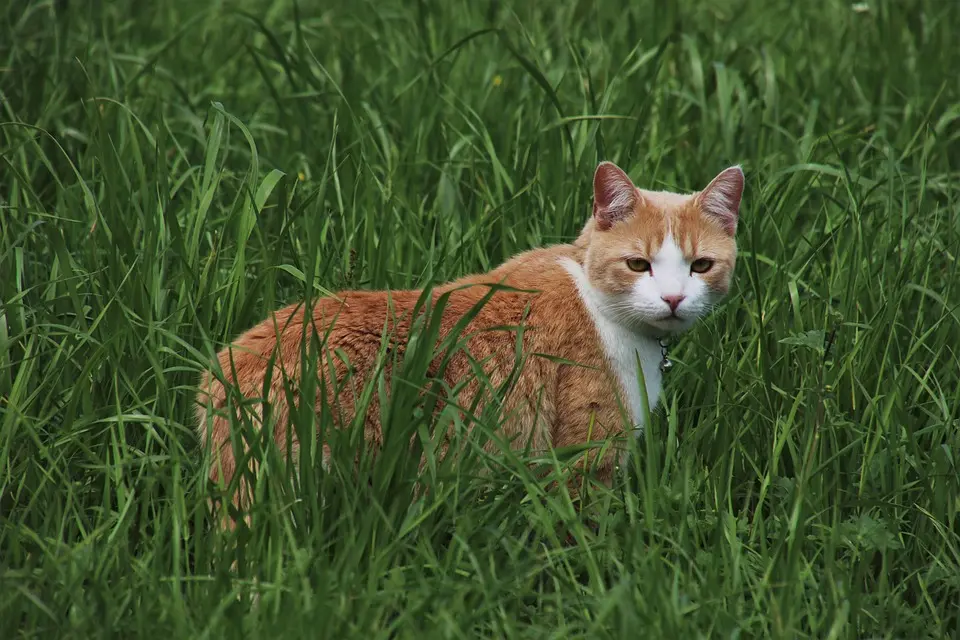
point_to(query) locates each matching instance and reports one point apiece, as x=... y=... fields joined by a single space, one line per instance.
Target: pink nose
x=673 y=301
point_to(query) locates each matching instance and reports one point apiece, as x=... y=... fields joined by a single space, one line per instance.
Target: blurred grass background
x=172 y=172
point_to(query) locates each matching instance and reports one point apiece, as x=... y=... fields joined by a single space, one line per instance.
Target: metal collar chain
x=665 y=364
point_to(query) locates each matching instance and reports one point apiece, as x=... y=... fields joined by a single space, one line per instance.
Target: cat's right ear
x=614 y=195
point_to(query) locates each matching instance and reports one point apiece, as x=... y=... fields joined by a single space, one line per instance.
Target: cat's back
x=539 y=295
x=352 y=320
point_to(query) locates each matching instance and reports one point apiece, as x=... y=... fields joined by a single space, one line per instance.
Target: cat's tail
x=239 y=391
x=213 y=429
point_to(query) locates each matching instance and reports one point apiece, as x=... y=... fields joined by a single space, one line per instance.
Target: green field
x=171 y=172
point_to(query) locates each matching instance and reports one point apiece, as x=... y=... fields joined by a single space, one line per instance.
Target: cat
x=647 y=265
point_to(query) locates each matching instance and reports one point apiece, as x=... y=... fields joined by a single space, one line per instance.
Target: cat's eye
x=638 y=264
x=702 y=265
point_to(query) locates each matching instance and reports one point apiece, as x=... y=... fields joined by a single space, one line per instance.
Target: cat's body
x=647 y=265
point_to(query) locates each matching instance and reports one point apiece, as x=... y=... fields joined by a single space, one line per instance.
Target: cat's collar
x=665 y=363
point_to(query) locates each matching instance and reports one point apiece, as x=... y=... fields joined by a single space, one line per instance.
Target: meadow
x=171 y=172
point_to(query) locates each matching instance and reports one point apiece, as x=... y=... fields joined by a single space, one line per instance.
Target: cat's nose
x=673 y=301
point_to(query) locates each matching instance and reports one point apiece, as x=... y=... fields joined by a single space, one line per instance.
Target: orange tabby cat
x=647 y=265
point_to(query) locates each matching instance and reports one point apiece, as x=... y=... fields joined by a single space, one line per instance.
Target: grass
x=173 y=171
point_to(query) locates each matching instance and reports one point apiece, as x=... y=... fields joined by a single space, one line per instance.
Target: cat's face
x=660 y=261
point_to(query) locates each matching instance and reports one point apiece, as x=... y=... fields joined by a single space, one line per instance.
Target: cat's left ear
x=721 y=199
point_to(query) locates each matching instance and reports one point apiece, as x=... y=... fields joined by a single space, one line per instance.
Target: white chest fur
x=623 y=349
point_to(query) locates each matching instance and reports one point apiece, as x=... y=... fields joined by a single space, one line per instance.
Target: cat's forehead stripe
x=663 y=214
x=669 y=251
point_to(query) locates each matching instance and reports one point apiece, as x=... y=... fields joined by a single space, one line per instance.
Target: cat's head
x=659 y=261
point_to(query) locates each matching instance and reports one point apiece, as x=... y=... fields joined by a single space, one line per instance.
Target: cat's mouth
x=672 y=318
x=671 y=322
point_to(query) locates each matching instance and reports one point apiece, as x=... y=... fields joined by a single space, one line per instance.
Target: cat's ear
x=721 y=199
x=614 y=195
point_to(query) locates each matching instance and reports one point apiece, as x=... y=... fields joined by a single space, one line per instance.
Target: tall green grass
x=173 y=171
